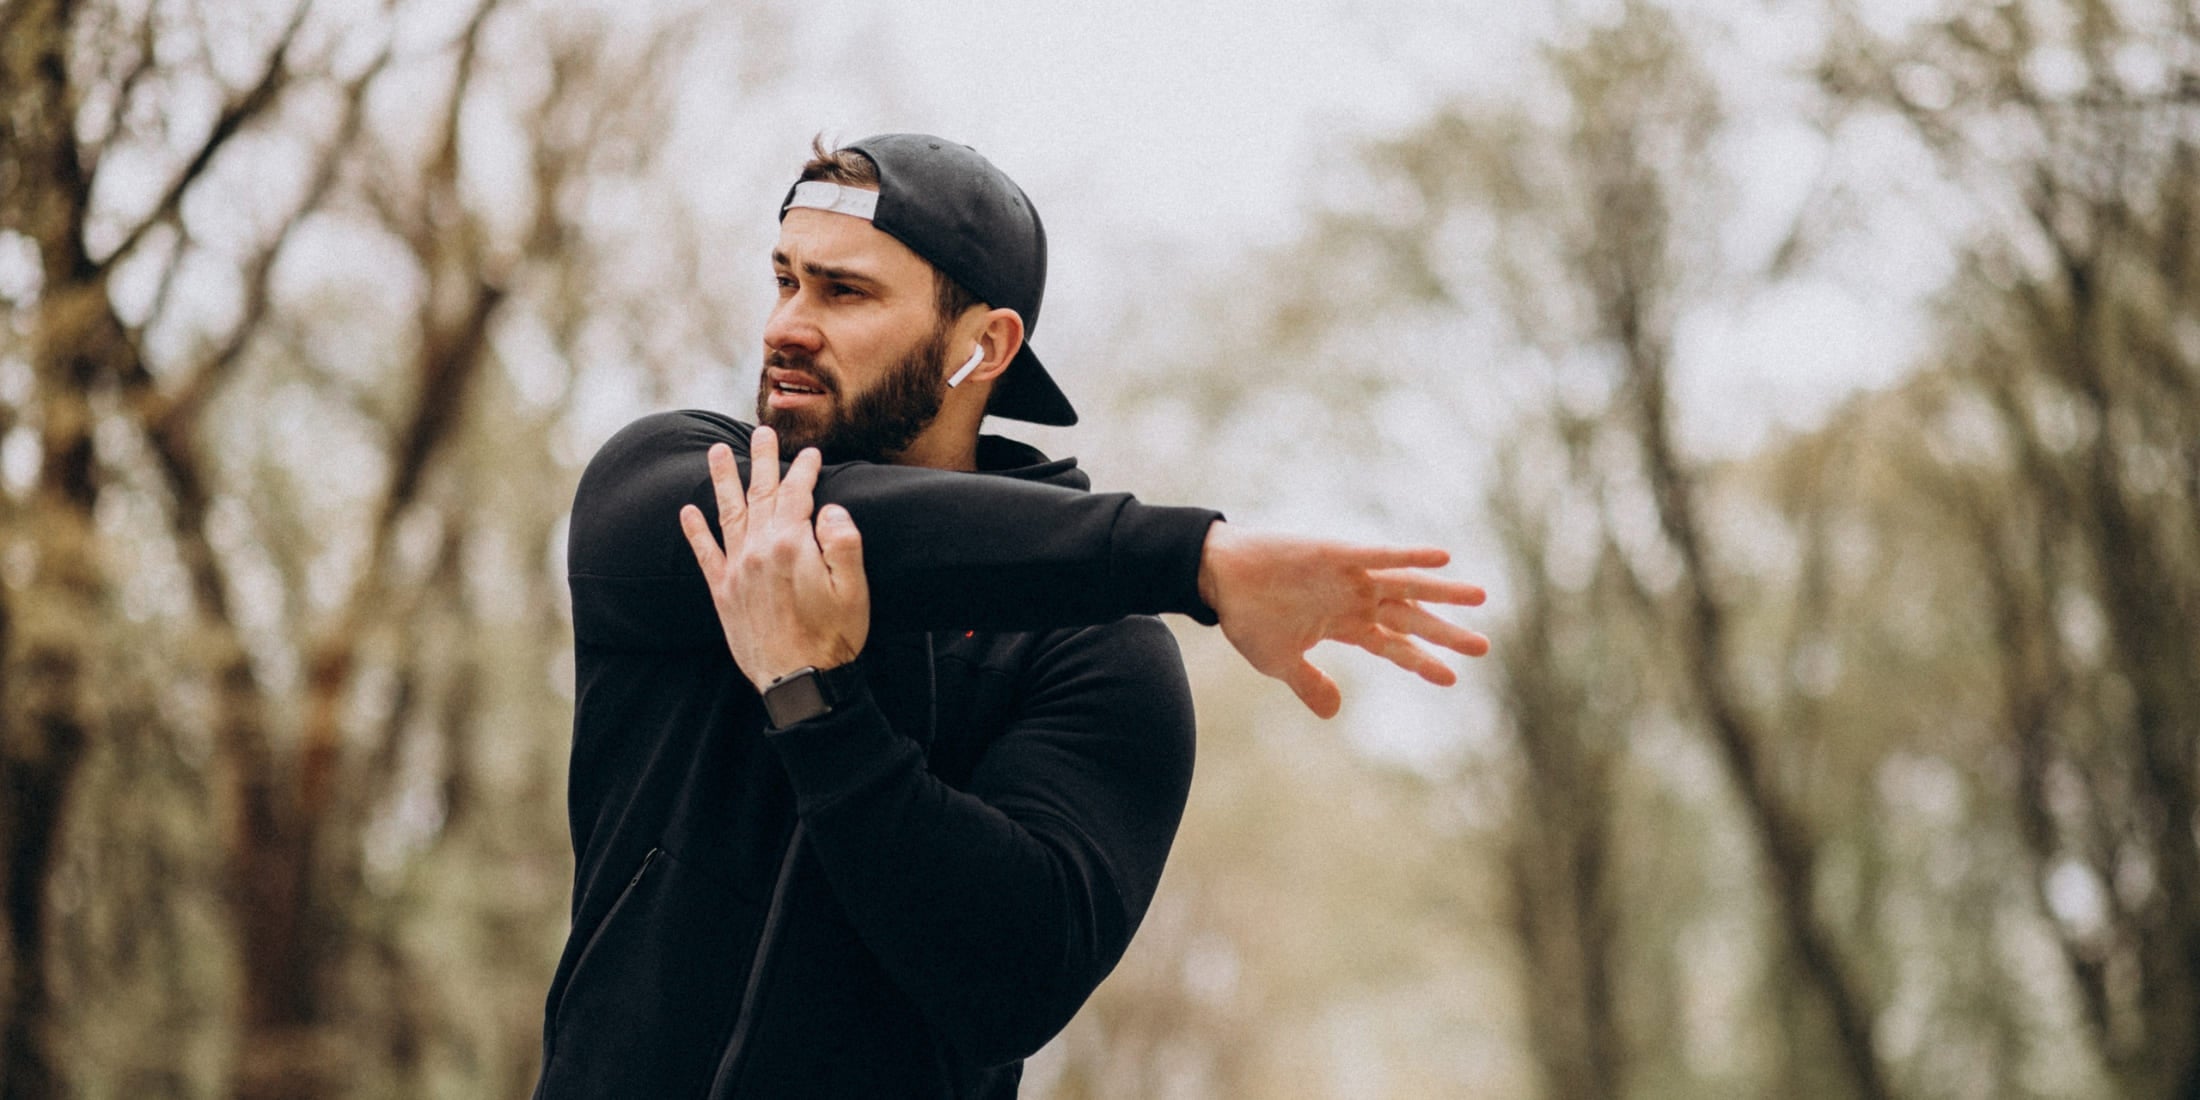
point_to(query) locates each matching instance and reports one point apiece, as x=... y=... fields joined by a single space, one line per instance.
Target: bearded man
x=877 y=760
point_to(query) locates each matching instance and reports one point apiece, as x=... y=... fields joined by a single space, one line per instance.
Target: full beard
x=876 y=425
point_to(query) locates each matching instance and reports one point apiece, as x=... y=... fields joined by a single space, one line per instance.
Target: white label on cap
x=826 y=195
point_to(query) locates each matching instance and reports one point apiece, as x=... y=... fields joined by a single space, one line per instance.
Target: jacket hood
x=1010 y=458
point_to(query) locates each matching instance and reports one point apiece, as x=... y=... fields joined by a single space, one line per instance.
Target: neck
x=950 y=442
x=959 y=453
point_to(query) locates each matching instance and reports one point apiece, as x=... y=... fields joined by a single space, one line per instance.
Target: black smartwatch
x=809 y=692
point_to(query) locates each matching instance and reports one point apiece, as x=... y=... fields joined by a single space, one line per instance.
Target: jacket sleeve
x=999 y=909
x=942 y=550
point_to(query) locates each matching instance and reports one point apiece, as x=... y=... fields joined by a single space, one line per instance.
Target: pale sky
x=1193 y=119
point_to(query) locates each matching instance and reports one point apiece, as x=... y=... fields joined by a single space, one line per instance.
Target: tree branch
x=451 y=354
x=188 y=398
x=240 y=112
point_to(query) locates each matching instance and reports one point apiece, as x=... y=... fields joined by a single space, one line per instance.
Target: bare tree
x=2074 y=127
x=1595 y=231
x=365 y=657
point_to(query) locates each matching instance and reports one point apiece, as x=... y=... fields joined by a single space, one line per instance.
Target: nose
x=791 y=326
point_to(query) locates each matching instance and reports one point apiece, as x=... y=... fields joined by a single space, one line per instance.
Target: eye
x=786 y=282
x=843 y=290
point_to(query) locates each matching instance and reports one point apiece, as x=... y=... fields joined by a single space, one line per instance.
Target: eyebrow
x=820 y=271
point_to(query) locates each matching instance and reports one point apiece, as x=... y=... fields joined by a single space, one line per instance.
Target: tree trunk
x=54 y=635
x=53 y=620
x=1783 y=839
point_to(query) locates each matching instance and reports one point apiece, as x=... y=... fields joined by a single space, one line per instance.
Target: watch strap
x=810 y=692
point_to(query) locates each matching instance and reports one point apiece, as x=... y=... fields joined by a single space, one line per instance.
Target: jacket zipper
x=729 y=1063
x=596 y=937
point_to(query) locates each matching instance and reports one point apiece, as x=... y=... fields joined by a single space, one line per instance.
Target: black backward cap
x=955 y=209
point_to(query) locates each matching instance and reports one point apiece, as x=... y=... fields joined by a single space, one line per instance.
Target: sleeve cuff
x=835 y=754
x=1156 y=559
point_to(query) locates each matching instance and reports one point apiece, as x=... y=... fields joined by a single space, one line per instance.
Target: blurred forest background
x=1853 y=757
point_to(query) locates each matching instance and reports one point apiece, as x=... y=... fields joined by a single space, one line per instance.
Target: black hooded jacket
x=904 y=897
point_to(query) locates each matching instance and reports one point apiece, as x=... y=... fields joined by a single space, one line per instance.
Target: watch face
x=795 y=699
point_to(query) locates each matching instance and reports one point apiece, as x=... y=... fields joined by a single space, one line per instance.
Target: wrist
x=777 y=668
x=1214 y=553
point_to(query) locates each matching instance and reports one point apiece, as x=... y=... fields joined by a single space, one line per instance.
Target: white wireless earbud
x=977 y=356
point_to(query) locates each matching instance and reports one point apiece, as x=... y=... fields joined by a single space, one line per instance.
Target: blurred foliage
x=1861 y=764
x=305 y=308
x=1858 y=763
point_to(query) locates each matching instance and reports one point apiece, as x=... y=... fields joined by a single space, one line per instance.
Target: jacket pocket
x=653 y=993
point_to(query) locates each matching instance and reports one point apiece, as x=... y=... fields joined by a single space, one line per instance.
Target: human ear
x=999 y=341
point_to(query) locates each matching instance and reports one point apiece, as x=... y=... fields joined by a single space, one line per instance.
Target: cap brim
x=1026 y=392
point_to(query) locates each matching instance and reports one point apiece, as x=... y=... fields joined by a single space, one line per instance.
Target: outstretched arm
x=784 y=602
x=949 y=551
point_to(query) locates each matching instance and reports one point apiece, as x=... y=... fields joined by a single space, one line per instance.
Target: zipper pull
x=644 y=868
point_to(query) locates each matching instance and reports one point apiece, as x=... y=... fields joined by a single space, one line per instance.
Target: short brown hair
x=851 y=168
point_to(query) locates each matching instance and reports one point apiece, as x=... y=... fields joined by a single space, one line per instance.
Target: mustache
x=802 y=363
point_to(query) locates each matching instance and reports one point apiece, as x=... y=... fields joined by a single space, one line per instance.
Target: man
x=873 y=781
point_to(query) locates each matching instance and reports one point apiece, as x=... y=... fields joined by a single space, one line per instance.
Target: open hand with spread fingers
x=1278 y=596
x=789 y=593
